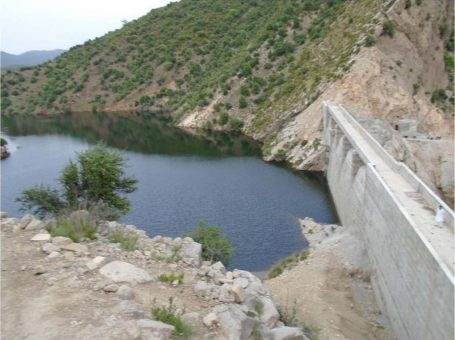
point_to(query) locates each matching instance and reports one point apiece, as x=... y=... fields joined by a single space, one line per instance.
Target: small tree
x=388 y=28
x=215 y=245
x=96 y=179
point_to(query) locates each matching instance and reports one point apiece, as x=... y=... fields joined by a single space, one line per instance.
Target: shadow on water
x=136 y=132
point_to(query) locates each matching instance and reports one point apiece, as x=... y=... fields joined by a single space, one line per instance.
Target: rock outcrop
x=123 y=287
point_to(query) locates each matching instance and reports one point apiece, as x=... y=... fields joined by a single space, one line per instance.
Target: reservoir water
x=183 y=178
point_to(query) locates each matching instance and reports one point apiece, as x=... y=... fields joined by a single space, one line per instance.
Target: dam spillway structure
x=393 y=212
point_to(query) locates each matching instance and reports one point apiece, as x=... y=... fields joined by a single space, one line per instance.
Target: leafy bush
x=170 y=316
x=42 y=201
x=236 y=123
x=3 y=142
x=126 y=241
x=224 y=118
x=97 y=176
x=215 y=246
x=95 y=179
x=388 y=28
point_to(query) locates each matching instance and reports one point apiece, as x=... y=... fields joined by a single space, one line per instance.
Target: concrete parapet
x=414 y=285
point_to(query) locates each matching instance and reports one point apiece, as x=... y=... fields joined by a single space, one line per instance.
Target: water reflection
x=143 y=133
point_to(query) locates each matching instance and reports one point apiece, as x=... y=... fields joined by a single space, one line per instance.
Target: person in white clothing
x=440 y=216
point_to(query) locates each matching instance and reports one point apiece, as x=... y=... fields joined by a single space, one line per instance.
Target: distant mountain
x=28 y=58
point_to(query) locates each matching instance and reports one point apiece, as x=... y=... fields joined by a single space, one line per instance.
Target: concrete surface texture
x=412 y=258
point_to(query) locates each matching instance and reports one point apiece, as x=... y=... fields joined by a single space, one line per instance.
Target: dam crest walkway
x=417 y=201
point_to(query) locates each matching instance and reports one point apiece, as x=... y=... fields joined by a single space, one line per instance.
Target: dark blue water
x=182 y=179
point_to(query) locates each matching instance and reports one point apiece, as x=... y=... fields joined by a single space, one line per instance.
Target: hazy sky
x=51 y=24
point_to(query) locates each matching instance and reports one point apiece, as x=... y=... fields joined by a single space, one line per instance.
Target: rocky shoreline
x=112 y=291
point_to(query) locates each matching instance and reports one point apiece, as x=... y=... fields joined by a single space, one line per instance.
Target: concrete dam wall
x=393 y=212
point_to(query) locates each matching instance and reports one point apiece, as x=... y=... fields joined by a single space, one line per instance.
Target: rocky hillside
x=54 y=288
x=265 y=67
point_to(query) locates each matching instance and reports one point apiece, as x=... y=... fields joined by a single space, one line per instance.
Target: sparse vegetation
x=168 y=314
x=215 y=245
x=170 y=278
x=76 y=227
x=127 y=241
x=288 y=316
x=287 y=263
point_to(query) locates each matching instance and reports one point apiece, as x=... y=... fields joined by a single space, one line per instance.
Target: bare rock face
x=234 y=322
x=119 y=271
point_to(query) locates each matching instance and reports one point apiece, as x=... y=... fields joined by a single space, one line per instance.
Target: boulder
x=41 y=237
x=269 y=315
x=75 y=247
x=125 y=292
x=155 y=330
x=211 y=320
x=61 y=241
x=238 y=293
x=226 y=294
x=191 y=252
x=287 y=333
x=130 y=308
x=234 y=322
x=25 y=220
x=216 y=269
x=111 y=288
x=3 y=214
x=119 y=271
x=53 y=255
x=35 y=224
x=242 y=282
x=49 y=248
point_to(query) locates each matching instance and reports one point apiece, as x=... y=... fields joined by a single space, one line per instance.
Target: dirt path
x=330 y=295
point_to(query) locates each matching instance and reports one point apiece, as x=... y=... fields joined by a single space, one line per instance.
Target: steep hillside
x=29 y=58
x=263 y=66
x=249 y=57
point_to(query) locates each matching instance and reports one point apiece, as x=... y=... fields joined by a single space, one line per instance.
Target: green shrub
x=127 y=241
x=236 y=123
x=215 y=246
x=388 y=28
x=408 y=4
x=280 y=155
x=243 y=102
x=438 y=96
x=74 y=228
x=370 y=41
x=287 y=263
x=171 y=278
x=224 y=118
x=96 y=178
x=3 y=142
x=170 y=316
x=449 y=62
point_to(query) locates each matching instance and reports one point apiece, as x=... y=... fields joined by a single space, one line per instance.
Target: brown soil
x=331 y=295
